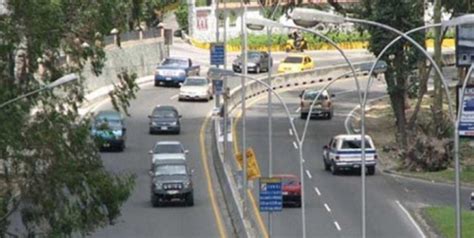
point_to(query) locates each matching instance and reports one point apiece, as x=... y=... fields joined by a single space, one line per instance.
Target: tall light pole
x=306 y=16
x=243 y=104
x=63 y=80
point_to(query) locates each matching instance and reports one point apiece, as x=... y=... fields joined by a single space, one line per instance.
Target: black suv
x=165 y=119
x=170 y=181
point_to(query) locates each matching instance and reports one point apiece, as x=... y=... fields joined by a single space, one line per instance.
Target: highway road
x=207 y=218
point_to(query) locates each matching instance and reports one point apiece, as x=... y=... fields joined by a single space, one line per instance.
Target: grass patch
x=443 y=218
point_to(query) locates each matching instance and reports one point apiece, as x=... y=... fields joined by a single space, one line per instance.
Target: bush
x=182 y=17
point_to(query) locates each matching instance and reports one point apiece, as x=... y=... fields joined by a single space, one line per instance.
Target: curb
x=437 y=182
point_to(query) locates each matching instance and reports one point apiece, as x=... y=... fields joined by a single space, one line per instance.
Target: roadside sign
x=218 y=86
x=464 y=45
x=270 y=199
x=217 y=53
x=253 y=170
x=466 y=123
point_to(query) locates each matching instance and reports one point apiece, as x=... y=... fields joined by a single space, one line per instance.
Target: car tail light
x=337 y=157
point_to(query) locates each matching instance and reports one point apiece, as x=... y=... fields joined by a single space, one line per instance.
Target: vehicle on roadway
x=196 y=88
x=167 y=150
x=165 y=119
x=108 y=129
x=343 y=152
x=257 y=61
x=174 y=70
x=171 y=180
x=472 y=201
x=295 y=63
x=323 y=106
x=291 y=189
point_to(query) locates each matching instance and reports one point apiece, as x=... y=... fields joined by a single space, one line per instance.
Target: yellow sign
x=253 y=170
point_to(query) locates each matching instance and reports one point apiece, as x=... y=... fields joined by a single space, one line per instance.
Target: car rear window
x=311 y=95
x=288 y=181
x=164 y=113
x=355 y=144
x=167 y=149
x=293 y=60
x=175 y=62
x=195 y=82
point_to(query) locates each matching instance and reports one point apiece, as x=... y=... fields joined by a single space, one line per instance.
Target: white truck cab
x=344 y=152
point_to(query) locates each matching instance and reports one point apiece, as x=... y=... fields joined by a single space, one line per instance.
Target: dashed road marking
x=295 y=145
x=291 y=132
x=309 y=174
x=317 y=191
x=298 y=109
x=337 y=226
x=174 y=96
x=327 y=207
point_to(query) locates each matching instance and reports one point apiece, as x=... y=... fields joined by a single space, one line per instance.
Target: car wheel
x=190 y=200
x=257 y=69
x=122 y=146
x=327 y=166
x=298 y=203
x=155 y=201
x=329 y=116
x=371 y=170
x=178 y=131
x=303 y=116
x=334 y=168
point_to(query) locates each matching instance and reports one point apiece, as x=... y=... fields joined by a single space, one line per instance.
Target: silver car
x=167 y=150
x=196 y=88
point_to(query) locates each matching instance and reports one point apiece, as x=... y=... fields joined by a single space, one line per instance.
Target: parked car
x=167 y=150
x=174 y=70
x=323 y=106
x=344 y=152
x=257 y=61
x=171 y=180
x=165 y=119
x=196 y=88
x=291 y=189
x=108 y=129
x=296 y=63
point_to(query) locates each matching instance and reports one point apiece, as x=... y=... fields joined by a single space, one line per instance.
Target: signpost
x=217 y=54
x=218 y=86
x=271 y=199
x=466 y=122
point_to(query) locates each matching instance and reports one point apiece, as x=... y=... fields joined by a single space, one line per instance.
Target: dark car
x=171 y=180
x=165 y=119
x=108 y=129
x=257 y=61
x=291 y=189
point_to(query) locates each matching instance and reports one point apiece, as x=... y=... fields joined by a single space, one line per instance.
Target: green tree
x=51 y=171
x=182 y=17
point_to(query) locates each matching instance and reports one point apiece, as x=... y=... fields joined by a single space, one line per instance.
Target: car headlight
x=187 y=184
x=153 y=123
x=173 y=123
x=158 y=185
x=159 y=72
x=181 y=73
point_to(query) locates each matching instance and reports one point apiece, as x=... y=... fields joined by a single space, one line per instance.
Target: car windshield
x=195 y=82
x=355 y=144
x=293 y=60
x=311 y=95
x=167 y=149
x=288 y=181
x=253 y=55
x=170 y=169
x=106 y=124
x=175 y=62
x=164 y=114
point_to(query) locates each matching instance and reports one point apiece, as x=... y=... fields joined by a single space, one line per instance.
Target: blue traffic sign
x=271 y=199
x=218 y=86
x=217 y=53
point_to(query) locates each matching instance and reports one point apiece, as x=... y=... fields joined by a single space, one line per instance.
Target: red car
x=291 y=188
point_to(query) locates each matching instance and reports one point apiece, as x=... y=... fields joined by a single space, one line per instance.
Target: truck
x=344 y=152
x=174 y=70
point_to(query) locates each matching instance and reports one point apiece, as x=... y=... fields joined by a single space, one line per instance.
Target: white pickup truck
x=344 y=152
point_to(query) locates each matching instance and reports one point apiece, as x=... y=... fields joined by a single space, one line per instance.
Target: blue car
x=174 y=70
x=108 y=129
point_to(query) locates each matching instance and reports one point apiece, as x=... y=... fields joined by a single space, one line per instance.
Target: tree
x=51 y=171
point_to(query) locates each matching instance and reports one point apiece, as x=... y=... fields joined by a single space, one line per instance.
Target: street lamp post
x=243 y=104
x=63 y=80
x=310 y=16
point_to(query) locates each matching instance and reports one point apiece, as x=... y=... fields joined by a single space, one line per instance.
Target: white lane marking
x=317 y=191
x=174 y=97
x=411 y=219
x=309 y=174
x=347 y=91
x=295 y=145
x=291 y=132
x=292 y=119
x=327 y=207
x=298 y=110
x=337 y=226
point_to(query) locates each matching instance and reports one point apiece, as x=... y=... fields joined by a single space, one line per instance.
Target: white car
x=344 y=152
x=168 y=150
x=196 y=88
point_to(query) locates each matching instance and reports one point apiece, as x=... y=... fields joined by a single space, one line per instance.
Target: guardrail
x=254 y=89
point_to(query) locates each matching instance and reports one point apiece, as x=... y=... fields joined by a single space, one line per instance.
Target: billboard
x=464 y=45
x=466 y=122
